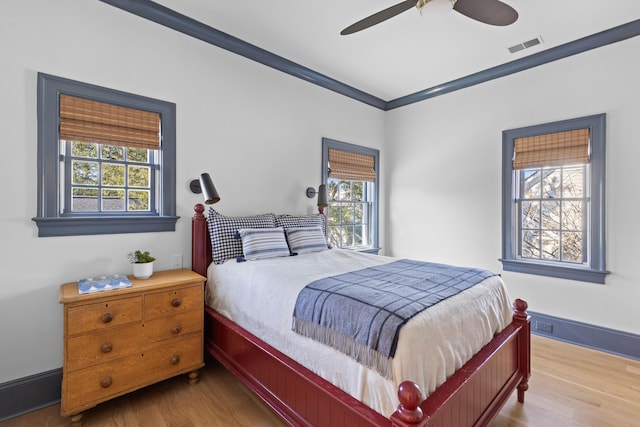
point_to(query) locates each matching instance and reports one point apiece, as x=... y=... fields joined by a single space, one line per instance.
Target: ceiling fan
x=492 y=12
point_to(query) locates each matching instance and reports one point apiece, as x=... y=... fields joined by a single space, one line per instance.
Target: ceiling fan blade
x=379 y=17
x=492 y=12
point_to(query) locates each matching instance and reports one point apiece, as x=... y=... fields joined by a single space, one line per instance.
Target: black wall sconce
x=205 y=186
x=322 y=196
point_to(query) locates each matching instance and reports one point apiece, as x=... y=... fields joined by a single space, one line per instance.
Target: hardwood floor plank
x=575 y=386
x=570 y=386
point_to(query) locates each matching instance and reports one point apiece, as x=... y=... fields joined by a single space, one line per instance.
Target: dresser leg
x=76 y=420
x=193 y=377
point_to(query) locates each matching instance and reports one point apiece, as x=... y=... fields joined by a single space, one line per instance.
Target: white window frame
x=67 y=159
x=367 y=208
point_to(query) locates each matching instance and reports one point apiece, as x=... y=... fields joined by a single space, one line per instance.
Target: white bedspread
x=260 y=297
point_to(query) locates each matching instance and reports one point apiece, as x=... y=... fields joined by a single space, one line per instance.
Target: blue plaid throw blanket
x=360 y=313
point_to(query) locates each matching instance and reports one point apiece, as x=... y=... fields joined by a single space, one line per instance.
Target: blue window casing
x=49 y=218
x=594 y=271
x=344 y=146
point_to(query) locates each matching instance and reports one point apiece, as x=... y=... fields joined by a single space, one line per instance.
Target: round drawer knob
x=106 y=382
x=107 y=317
x=176 y=302
x=175 y=360
x=106 y=347
x=176 y=330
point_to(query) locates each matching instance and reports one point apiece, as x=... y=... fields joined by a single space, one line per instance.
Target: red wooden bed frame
x=472 y=396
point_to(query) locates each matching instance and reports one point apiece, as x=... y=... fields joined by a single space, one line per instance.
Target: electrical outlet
x=176 y=261
x=544 y=327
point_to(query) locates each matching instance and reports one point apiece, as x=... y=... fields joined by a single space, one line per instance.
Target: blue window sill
x=581 y=274
x=49 y=227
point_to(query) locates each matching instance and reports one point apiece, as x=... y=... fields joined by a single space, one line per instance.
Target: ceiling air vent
x=525 y=45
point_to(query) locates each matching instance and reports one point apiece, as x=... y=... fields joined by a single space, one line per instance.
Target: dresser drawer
x=174 y=326
x=90 y=317
x=87 y=386
x=175 y=301
x=88 y=349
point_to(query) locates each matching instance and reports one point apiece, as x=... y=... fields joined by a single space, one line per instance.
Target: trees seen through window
x=109 y=178
x=349 y=213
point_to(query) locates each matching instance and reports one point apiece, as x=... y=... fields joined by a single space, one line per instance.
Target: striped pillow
x=259 y=243
x=306 y=239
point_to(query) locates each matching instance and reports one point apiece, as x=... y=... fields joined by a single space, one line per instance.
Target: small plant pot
x=143 y=270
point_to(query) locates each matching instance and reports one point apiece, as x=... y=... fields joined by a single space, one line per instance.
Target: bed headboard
x=200 y=242
x=201 y=250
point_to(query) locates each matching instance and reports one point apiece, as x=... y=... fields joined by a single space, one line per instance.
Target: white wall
x=444 y=176
x=257 y=131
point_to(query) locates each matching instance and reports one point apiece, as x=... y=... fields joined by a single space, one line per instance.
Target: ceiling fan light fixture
x=422 y=3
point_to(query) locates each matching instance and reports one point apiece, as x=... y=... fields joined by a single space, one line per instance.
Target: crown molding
x=169 y=18
x=162 y=15
x=584 y=44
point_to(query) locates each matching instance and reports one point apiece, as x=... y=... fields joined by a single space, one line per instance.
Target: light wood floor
x=570 y=387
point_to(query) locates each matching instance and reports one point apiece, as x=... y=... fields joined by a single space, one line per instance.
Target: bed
x=290 y=383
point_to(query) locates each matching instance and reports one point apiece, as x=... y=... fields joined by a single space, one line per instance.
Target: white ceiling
x=410 y=52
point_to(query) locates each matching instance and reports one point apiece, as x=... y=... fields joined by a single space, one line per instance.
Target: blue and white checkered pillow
x=223 y=230
x=306 y=239
x=259 y=243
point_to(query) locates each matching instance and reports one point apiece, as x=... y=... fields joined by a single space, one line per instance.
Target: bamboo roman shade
x=552 y=149
x=93 y=121
x=350 y=166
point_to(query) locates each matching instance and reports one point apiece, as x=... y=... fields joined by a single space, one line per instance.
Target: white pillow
x=306 y=239
x=259 y=243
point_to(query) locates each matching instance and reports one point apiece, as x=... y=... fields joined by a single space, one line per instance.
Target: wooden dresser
x=118 y=341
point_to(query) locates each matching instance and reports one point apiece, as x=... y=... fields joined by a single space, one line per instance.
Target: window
x=553 y=199
x=108 y=178
x=350 y=172
x=106 y=160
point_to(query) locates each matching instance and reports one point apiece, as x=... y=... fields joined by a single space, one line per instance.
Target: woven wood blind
x=350 y=166
x=92 y=121
x=552 y=149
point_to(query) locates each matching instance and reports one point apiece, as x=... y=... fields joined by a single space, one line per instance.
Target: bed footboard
x=474 y=394
x=470 y=397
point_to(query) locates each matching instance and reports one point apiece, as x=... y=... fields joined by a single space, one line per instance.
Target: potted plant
x=142 y=264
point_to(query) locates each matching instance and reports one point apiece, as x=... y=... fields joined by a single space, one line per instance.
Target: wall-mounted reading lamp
x=322 y=196
x=205 y=186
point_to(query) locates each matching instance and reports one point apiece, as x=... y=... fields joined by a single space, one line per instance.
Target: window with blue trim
x=553 y=199
x=351 y=174
x=106 y=160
